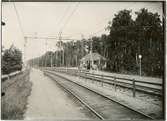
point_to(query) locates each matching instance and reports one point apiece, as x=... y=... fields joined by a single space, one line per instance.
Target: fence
x=154 y=88
x=6 y=84
x=8 y=76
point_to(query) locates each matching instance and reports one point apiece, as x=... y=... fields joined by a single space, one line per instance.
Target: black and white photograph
x=83 y=60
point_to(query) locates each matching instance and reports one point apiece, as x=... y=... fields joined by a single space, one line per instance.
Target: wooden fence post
x=115 y=85
x=134 y=88
x=102 y=79
x=85 y=76
x=92 y=77
x=8 y=77
x=92 y=81
x=79 y=73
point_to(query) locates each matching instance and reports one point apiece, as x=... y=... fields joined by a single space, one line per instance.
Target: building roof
x=95 y=56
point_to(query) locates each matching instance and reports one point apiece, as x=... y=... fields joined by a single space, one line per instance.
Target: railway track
x=120 y=82
x=103 y=107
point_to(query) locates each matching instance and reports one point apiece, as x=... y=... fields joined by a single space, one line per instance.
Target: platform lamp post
x=91 y=51
x=2 y=92
x=140 y=57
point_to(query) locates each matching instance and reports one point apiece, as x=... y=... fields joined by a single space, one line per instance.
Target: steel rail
x=107 y=97
x=141 y=88
x=99 y=75
x=109 y=81
x=77 y=97
x=153 y=83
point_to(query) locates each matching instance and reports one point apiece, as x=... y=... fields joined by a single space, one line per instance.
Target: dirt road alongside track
x=48 y=100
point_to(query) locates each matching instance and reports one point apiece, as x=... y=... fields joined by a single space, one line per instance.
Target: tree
x=96 y=44
x=11 y=60
x=120 y=41
x=126 y=40
x=150 y=41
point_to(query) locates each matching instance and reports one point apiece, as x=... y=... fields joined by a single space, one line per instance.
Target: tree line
x=127 y=40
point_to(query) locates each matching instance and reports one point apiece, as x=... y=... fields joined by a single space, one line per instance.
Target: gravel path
x=48 y=100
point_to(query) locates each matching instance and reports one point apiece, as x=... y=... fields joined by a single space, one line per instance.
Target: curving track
x=142 y=86
x=101 y=106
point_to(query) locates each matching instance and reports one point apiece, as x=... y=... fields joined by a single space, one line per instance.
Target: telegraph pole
x=45 y=47
x=60 y=39
x=56 y=64
x=45 y=52
x=25 y=44
x=51 y=60
x=43 y=61
x=91 y=50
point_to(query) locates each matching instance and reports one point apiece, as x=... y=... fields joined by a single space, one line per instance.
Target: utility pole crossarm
x=55 y=38
x=33 y=37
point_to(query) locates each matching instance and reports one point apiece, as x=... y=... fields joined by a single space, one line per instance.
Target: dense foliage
x=127 y=40
x=11 y=60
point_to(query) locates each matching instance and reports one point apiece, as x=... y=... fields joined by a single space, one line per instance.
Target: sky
x=75 y=20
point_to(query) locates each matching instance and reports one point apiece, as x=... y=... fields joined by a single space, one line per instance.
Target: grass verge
x=17 y=90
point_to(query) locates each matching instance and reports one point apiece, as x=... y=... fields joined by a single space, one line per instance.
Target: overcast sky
x=76 y=20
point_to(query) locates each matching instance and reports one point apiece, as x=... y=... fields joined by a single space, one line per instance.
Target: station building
x=99 y=62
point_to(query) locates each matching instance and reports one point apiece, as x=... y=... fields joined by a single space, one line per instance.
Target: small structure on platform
x=99 y=62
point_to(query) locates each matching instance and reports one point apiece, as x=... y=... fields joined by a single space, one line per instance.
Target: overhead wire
x=99 y=31
x=67 y=20
x=19 y=20
x=69 y=17
x=101 y=22
x=21 y=29
x=62 y=17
